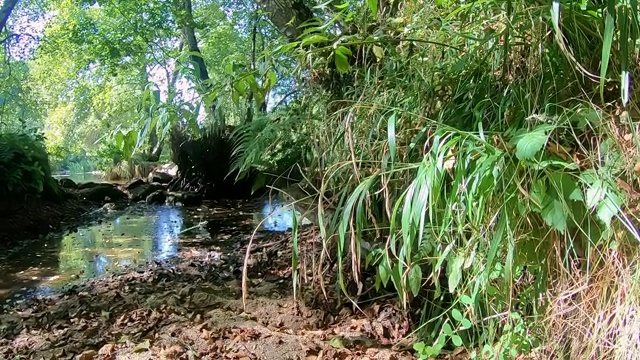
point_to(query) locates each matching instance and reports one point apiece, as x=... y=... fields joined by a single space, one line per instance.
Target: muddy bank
x=34 y=217
x=191 y=308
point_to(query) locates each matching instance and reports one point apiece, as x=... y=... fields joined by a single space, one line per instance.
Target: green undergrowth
x=24 y=167
x=473 y=160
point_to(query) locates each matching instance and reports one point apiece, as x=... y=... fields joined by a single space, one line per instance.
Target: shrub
x=24 y=167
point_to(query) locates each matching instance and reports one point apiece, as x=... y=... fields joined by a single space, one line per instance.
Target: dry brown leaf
x=636 y=169
x=107 y=351
x=173 y=352
x=558 y=150
x=87 y=355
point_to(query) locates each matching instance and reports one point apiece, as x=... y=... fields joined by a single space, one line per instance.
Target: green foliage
x=451 y=151
x=24 y=166
x=272 y=143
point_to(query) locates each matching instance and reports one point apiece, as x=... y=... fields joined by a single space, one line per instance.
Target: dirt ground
x=192 y=308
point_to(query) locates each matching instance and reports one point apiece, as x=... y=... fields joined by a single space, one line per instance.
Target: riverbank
x=191 y=308
x=35 y=217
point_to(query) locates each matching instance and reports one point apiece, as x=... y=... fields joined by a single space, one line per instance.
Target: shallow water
x=81 y=177
x=138 y=234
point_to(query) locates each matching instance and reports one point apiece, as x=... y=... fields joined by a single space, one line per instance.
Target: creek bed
x=127 y=238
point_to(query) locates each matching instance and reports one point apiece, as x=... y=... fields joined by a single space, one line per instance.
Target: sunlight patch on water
x=278 y=216
x=128 y=238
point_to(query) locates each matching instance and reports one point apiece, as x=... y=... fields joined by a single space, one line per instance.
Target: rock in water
x=68 y=183
x=89 y=185
x=187 y=198
x=157 y=197
x=190 y=198
x=141 y=192
x=134 y=184
x=160 y=177
x=99 y=192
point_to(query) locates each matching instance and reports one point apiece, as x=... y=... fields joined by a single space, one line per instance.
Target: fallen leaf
x=143 y=346
x=87 y=355
x=107 y=350
x=337 y=342
x=173 y=352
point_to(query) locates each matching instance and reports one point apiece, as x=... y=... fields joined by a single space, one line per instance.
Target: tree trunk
x=254 y=35
x=5 y=12
x=184 y=17
x=287 y=15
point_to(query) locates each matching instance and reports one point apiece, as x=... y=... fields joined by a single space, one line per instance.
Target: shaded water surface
x=124 y=238
x=82 y=177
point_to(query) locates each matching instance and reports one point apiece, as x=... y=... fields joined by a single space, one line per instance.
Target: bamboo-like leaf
x=609 y=25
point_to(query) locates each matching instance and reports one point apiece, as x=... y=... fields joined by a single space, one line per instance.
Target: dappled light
x=298 y=179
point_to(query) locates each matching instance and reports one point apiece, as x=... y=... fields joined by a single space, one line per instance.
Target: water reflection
x=137 y=234
x=81 y=177
x=278 y=216
x=127 y=238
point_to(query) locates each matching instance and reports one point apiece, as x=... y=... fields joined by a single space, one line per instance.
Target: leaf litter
x=192 y=309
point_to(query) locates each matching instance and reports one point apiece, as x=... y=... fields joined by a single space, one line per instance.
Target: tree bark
x=287 y=15
x=5 y=12
x=184 y=17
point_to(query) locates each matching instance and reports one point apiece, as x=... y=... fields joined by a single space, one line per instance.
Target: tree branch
x=5 y=12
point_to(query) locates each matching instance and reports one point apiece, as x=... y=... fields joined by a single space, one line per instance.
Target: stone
x=68 y=183
x=143 y=191
x=156 y=197
x=87 y=185
x=100 y=192
x=134 y=184
x=187 y=198
x=190 y=198
x=160 y=177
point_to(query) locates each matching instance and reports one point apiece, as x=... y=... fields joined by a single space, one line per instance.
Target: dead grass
x=595 y=314
x=132 y=169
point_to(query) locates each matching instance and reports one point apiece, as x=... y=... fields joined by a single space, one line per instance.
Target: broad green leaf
x=286 y=47
x=344 y=50
x=235 y=96
x=446 y=328
x=566 y=185
x=608 y=208
x=465 y=324
x=531 y=143
x=342 y=63
x=454 y=272
x=314 y=39
x=456 y=340
x=384 y=273
x=466 y=299
x=554 y=214
x=456 y=314
x=373 y=7
x=272 y=78
x=538 y=194
x=415 y=279
x=609 y=24
x=595 y=193
x=240 y=86
x=378 y=52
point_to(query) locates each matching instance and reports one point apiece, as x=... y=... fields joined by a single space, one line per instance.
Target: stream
x=126 y=238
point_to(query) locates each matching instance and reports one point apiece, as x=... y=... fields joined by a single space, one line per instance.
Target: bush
x=24 y=167
x=474 y=167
